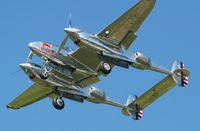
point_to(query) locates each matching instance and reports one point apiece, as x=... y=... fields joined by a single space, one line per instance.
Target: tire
x=105 y=67
x=32 y=76
x=44 y=75
x=58 y=103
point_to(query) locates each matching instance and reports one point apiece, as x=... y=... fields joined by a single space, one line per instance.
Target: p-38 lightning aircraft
x=67 y=73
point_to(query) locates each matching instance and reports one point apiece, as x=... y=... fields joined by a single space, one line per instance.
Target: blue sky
x=171 y=32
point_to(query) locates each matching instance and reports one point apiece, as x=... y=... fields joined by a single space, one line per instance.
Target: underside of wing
x=155 y=92
x=34 y=93
x=86 y=58
x=89 y=60
x=122 y=31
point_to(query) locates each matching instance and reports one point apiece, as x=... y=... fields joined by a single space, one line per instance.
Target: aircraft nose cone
x=31 y=45
x=24 y=67
x=71 y=30
x=35 y=45
x=68 y=30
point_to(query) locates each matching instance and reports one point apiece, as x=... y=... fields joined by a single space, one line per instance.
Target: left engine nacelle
x=97 y=93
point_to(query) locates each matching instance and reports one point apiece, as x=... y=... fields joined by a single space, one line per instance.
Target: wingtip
x=11 y=107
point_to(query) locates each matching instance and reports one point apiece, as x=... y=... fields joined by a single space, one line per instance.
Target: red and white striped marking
x=183 y=66
x=186 y=80
x=140 y=113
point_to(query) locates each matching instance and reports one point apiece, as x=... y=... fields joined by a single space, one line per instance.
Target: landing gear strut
x=105 y=67
x=58 y=103
x=44 y=73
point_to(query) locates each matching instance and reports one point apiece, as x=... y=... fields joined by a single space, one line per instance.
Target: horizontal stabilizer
x=136 y=105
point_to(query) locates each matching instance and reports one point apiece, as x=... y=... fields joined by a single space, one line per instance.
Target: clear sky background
x=171 y=32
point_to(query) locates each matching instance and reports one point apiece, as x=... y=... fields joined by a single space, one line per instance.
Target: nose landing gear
x=44 y=75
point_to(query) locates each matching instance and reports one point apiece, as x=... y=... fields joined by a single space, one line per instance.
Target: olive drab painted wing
x=155 y=92
x=160 y=89
x=33 y=94
x=122 y=31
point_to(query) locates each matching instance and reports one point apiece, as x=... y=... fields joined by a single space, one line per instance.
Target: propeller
x=29 y=57
x=66 y=38
x=70 y=20
x=15 y=72
x=62 y=44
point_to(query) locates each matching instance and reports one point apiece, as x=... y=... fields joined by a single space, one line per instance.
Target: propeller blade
x=15 y=72
x=62 y=44
x=29 y=57
x=70 y=20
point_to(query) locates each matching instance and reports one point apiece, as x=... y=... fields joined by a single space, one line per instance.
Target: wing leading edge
x=122 y=31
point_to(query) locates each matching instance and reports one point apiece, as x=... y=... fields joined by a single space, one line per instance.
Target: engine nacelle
x=142 y=59
x=98 y=94
x=143 y=62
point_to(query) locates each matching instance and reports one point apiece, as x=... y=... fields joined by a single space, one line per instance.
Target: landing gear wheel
x=76 y=41
x=44 y=75
x=105 y=68
x=32 y=76
x=58 y=103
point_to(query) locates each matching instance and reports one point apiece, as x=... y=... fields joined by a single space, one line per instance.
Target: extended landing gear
x=105 y=67
x=32 y=76
x=58 y=103
x=44 y=75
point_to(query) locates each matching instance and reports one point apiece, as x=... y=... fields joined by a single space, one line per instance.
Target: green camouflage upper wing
x=122 y=31
x=155 y=92
x=35 y=93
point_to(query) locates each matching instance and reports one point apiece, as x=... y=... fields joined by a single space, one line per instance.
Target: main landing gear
x=105 y=67
x=58 y=103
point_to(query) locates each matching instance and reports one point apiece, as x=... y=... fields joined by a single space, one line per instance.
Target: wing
x=122 y=31
x=89 y=60
x=35 y=93
x=86 y=58
x=155 y=92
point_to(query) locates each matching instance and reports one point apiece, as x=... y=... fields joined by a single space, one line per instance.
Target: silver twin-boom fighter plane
x=67 y=73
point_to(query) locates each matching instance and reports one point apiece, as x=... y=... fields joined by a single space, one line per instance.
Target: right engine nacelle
x=98 y=94
x=143 y=62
